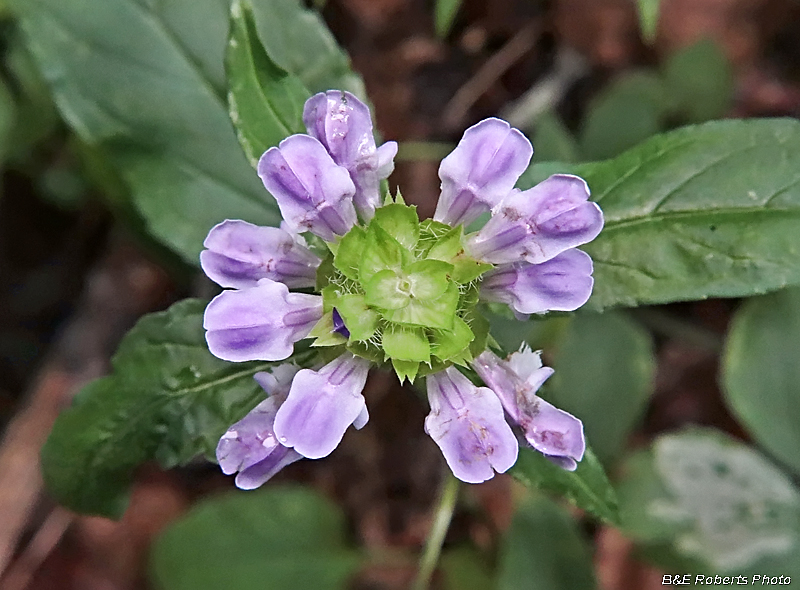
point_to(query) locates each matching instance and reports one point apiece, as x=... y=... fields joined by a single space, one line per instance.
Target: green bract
x=406 y=291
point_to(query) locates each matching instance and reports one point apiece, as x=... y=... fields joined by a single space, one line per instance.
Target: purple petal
x=338 y=324
x=481 y=171
x=467 y=423
x=553 y=432
x=343 y=124
x=240 y=254
x=259 y=473
x=563 y=283
x=314 y=193
x=277 y=381
x=251 y=447
x=261 y=323
x=321 y=405
x=362 y=419
x=538 y=224
x=514 y=391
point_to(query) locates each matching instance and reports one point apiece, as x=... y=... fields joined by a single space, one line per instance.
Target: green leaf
x=605 y=370
x=406 y=344
x=648 y=18
x=627 y=112
x=587 y=487
x=545 y=550
x=144 y=82
x=169 y=399
x=298 y=40
x=428 y=278
x=446 y=344
x=761 y=375
x=359 y=319
x=704 y=499
x=699 y=81
x=449 y=248
x=265 y=101
x=387 y=290
x=430 y=313
x=323 y=333
x=272 y=539
x=381 y=252
x=718 y=206
x=446 y=11
x=349 y=252
x=400 y=222
x=405 y=369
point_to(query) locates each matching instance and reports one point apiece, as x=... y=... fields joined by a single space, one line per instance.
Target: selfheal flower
x=467 y=423
x=250 y=446
x=563 y=283
x=553 y=432
x=481 y=171
x=240 y=254
x=322 y=404
x=343 y=124
x=538 y=224
x=313 y=193
x=260 y=323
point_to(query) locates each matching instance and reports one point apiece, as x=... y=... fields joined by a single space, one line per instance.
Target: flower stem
x=441 y=522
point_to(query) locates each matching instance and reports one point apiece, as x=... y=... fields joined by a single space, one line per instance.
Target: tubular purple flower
x=467 y=423
x=250 y=446
x=260 y=323
x=553 y=432
x=240 y=254
x=313 y=193
x=538 y=224
x=563 y=283
x=481 y=171
x=343 y=124
x=322 y=404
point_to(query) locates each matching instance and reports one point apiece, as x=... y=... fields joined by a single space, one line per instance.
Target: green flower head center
x=406 y=292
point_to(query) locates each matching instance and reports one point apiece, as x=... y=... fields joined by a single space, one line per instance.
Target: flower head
x=383 y=288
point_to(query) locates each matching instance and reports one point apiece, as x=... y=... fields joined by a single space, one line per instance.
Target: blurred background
x=578 y=76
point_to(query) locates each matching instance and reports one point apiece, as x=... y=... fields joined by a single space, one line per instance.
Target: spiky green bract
x=406 y=292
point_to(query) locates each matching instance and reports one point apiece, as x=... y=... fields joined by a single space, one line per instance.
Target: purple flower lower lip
x=538 y=224
x=260 y=323
x=343 y=124
x=322 y=405
x=468 y=425
x=338 y=324
x=481 y=171
x=240 y=254
x=250 y=446
x=553 y=432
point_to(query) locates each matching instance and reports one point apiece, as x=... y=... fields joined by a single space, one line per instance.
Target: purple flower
x=538 y=224
x=240 y=254
x=260 y=323
x=467 y=423
x=313 y=193
x=250 y=446
x=553 y=432
x=481 y=171
x=563 y=283
x=343 y=124
x=322 y=404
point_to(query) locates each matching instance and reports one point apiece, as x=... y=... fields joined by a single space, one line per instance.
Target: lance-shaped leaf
x=718 y=206
x=587 y=487
x=265 y=101
x=168 y=399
